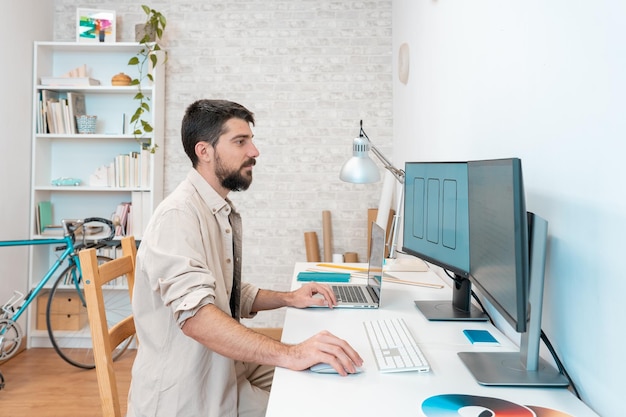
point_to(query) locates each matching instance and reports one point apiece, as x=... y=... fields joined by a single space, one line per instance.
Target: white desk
x=372 y=393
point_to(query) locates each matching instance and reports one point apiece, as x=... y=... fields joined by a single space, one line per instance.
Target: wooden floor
x=39 y=383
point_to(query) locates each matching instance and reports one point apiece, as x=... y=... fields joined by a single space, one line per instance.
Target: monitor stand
x=526 y=367
x=460 y=309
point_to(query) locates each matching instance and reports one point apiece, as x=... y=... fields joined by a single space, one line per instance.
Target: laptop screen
x=376 y=258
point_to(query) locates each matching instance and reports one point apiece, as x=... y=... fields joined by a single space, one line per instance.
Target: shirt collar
x=212 y=199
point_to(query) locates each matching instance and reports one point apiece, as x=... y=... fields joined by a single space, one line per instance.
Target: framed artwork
x=95 y=26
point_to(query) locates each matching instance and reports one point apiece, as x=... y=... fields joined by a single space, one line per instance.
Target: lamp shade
x=360 y=169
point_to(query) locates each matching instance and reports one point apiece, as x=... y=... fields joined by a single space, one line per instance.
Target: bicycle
x=73 y=346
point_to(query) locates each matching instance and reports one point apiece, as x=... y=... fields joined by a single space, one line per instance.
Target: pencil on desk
x=416 y=283
x=387 y=278
x=347 y=267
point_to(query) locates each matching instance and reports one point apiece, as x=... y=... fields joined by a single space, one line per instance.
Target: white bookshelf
x=80 y=155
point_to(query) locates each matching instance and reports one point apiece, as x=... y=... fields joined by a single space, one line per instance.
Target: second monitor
x=436 y=229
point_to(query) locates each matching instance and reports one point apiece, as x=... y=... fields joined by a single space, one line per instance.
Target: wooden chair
x=105 y=339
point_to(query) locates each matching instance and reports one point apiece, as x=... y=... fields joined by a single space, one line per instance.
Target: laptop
x=360 y=295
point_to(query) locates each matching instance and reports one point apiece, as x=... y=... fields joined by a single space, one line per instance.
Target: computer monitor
x=499 y=236
x=436 y=229
x=507 y=260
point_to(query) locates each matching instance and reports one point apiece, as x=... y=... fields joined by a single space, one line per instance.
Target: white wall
x=546 y=82
x=17 y=33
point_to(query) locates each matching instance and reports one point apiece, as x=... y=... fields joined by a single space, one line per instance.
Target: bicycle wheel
x=66 y=317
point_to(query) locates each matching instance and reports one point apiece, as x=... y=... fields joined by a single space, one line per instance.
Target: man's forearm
x=220 y=333
x=269 y=300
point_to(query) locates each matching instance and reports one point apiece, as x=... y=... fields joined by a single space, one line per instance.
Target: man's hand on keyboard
x=305 y=296
x=324 y=347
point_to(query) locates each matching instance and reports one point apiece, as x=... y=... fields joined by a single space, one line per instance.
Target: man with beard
x=194 y=357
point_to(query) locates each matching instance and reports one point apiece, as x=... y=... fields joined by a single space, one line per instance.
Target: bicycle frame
x=68 y=253
x=11 y=333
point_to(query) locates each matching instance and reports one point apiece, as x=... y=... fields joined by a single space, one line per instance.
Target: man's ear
x=204 y=152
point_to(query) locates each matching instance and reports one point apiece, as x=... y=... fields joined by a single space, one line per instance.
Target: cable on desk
x=559 y=364
x=545 y=339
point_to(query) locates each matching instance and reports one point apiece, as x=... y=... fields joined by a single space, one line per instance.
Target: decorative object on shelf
x=120 y=79
x=94 y=26
x=68 y=81
x=146 y=59
x=100 y=177
x=65 y=181
x=79 y=76
x=86 y=123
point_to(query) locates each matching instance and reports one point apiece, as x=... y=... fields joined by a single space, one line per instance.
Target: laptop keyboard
x=394 y=347
x=349 y=294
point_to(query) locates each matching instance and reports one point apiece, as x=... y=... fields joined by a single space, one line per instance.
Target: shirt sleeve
x=248 y=294
x=175 y=265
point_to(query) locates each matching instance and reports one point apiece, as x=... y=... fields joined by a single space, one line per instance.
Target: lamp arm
x=397 y=173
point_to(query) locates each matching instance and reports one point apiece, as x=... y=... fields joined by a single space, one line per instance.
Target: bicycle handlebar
x=71 y=226
x=108 y=222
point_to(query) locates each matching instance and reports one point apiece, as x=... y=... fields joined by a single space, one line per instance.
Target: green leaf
x=133 y=61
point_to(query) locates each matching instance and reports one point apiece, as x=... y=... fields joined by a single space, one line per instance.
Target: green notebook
x=45 y=215
x=324 y=276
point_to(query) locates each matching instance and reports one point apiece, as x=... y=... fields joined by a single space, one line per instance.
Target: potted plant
x=149 y=35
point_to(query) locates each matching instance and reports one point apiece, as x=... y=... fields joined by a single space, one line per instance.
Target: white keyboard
x=394 y=347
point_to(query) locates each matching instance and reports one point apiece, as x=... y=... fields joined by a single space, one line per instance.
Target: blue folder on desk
x=324 y=276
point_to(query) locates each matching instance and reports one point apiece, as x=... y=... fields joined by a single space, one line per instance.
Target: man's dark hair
x=204 y=122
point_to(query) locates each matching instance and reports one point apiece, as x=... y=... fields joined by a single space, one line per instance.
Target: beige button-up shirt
x=185 y=261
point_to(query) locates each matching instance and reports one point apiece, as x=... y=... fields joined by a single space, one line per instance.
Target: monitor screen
x=436 y=214
x=498 y=226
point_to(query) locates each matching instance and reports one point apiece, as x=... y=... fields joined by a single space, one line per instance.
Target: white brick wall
x=309 y=70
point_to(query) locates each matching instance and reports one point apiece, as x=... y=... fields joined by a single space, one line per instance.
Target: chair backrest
x=105 y=340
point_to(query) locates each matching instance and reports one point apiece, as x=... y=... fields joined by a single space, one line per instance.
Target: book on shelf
x=41 y=125
x=43 y=220
x=140 y=212
x=48 y=98
x=121 y=218
x=59 y=118
x=145 y=168
x=76 y=106
x=44 y=215
x=68 y=81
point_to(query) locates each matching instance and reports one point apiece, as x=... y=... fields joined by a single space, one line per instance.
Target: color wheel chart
x=455 y=405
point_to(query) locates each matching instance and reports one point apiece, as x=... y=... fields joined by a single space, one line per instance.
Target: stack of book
x=57 y=113
x=131 y=170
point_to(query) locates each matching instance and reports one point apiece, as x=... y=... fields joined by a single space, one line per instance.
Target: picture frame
x=95 y=26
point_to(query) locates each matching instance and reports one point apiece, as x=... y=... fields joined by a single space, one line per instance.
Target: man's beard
x=233 y=180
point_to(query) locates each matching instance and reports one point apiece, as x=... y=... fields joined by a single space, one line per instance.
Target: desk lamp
x=360 y=169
